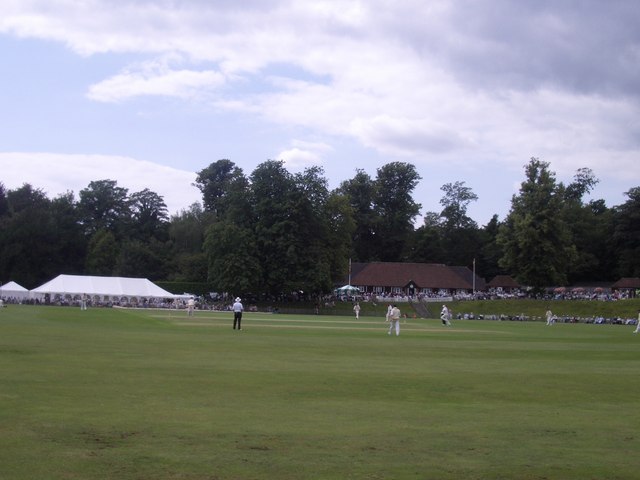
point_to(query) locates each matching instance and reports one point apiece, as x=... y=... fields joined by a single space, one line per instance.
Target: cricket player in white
x=394 y=320
x=550 y=318
x=445 y=315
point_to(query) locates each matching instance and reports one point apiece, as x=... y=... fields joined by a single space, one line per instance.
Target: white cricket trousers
x=397 y=326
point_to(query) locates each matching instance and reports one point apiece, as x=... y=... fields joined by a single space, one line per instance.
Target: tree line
x=273 y=232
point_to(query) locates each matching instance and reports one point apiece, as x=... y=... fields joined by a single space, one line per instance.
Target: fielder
x=445 y=316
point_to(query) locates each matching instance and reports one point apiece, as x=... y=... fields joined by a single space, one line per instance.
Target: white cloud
x=155 y=78
x=439 y=82
x=407 y=137
x=56 y=174
x=303 y=154
x=297 y=159
x=183 y=83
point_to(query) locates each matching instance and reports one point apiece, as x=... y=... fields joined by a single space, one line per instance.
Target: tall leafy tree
x=146 y=259
x=583 y=182
x=455 y=202
x=599 y=240
x=460 y=234
x=360 y=191
x=4 y=204
x=627 y=234
x=102 y=253
x=232 y=257
x=281 y=243
x=427 y=245
x=4 y=233
x=220 y=183
x=145 y=252
x=341 y=225
x=228 y=246
x=71 y=243
x=105 y=206
x=149 y=216
x=313 y=270
x=536 y=242
x=274 y=197
x=395 y=209
x=29 y=239
x=589 y=226
x=187 y=231
x=490 y=251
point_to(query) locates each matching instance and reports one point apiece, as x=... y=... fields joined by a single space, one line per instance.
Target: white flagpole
x=474 y=276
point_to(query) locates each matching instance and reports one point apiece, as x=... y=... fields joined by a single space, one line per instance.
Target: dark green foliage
x=428 y=241
x=187 y=229
x=220 y=184
x=341 y=227
x=185 y=266
x=274 y=233
x=4 y=203
x=460 y=233
x=627 y=234
x=360 y=193
x=274 y=196
x=29 y=237
x=70 y=245
x=384 y=211
x=490 y=251
x=449 y=237
x=142 y=260
x=107 y=232
x=537 y=243
x=454 y=203
x=149 y=216
x=232 y=259
x=590 y=227
x=102 y=253
x=105 y=206
x=395 y=209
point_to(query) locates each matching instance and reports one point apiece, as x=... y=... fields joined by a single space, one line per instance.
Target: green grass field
x=123 y=394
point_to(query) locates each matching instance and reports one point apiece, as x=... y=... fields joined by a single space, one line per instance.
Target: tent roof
x=347 y=288
x=13 y=287
x=113 y=286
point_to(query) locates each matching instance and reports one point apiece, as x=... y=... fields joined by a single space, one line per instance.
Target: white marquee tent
x=103 y=287
x=13 y=290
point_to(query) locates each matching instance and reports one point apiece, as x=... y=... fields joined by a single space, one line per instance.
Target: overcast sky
x=150 y=92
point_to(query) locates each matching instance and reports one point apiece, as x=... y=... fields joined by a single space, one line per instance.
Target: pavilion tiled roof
x=467 y=274
x=422 y=275
x=504 y=281
x=627 y=282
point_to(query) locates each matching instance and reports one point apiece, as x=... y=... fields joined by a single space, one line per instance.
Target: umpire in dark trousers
x=237 y=314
